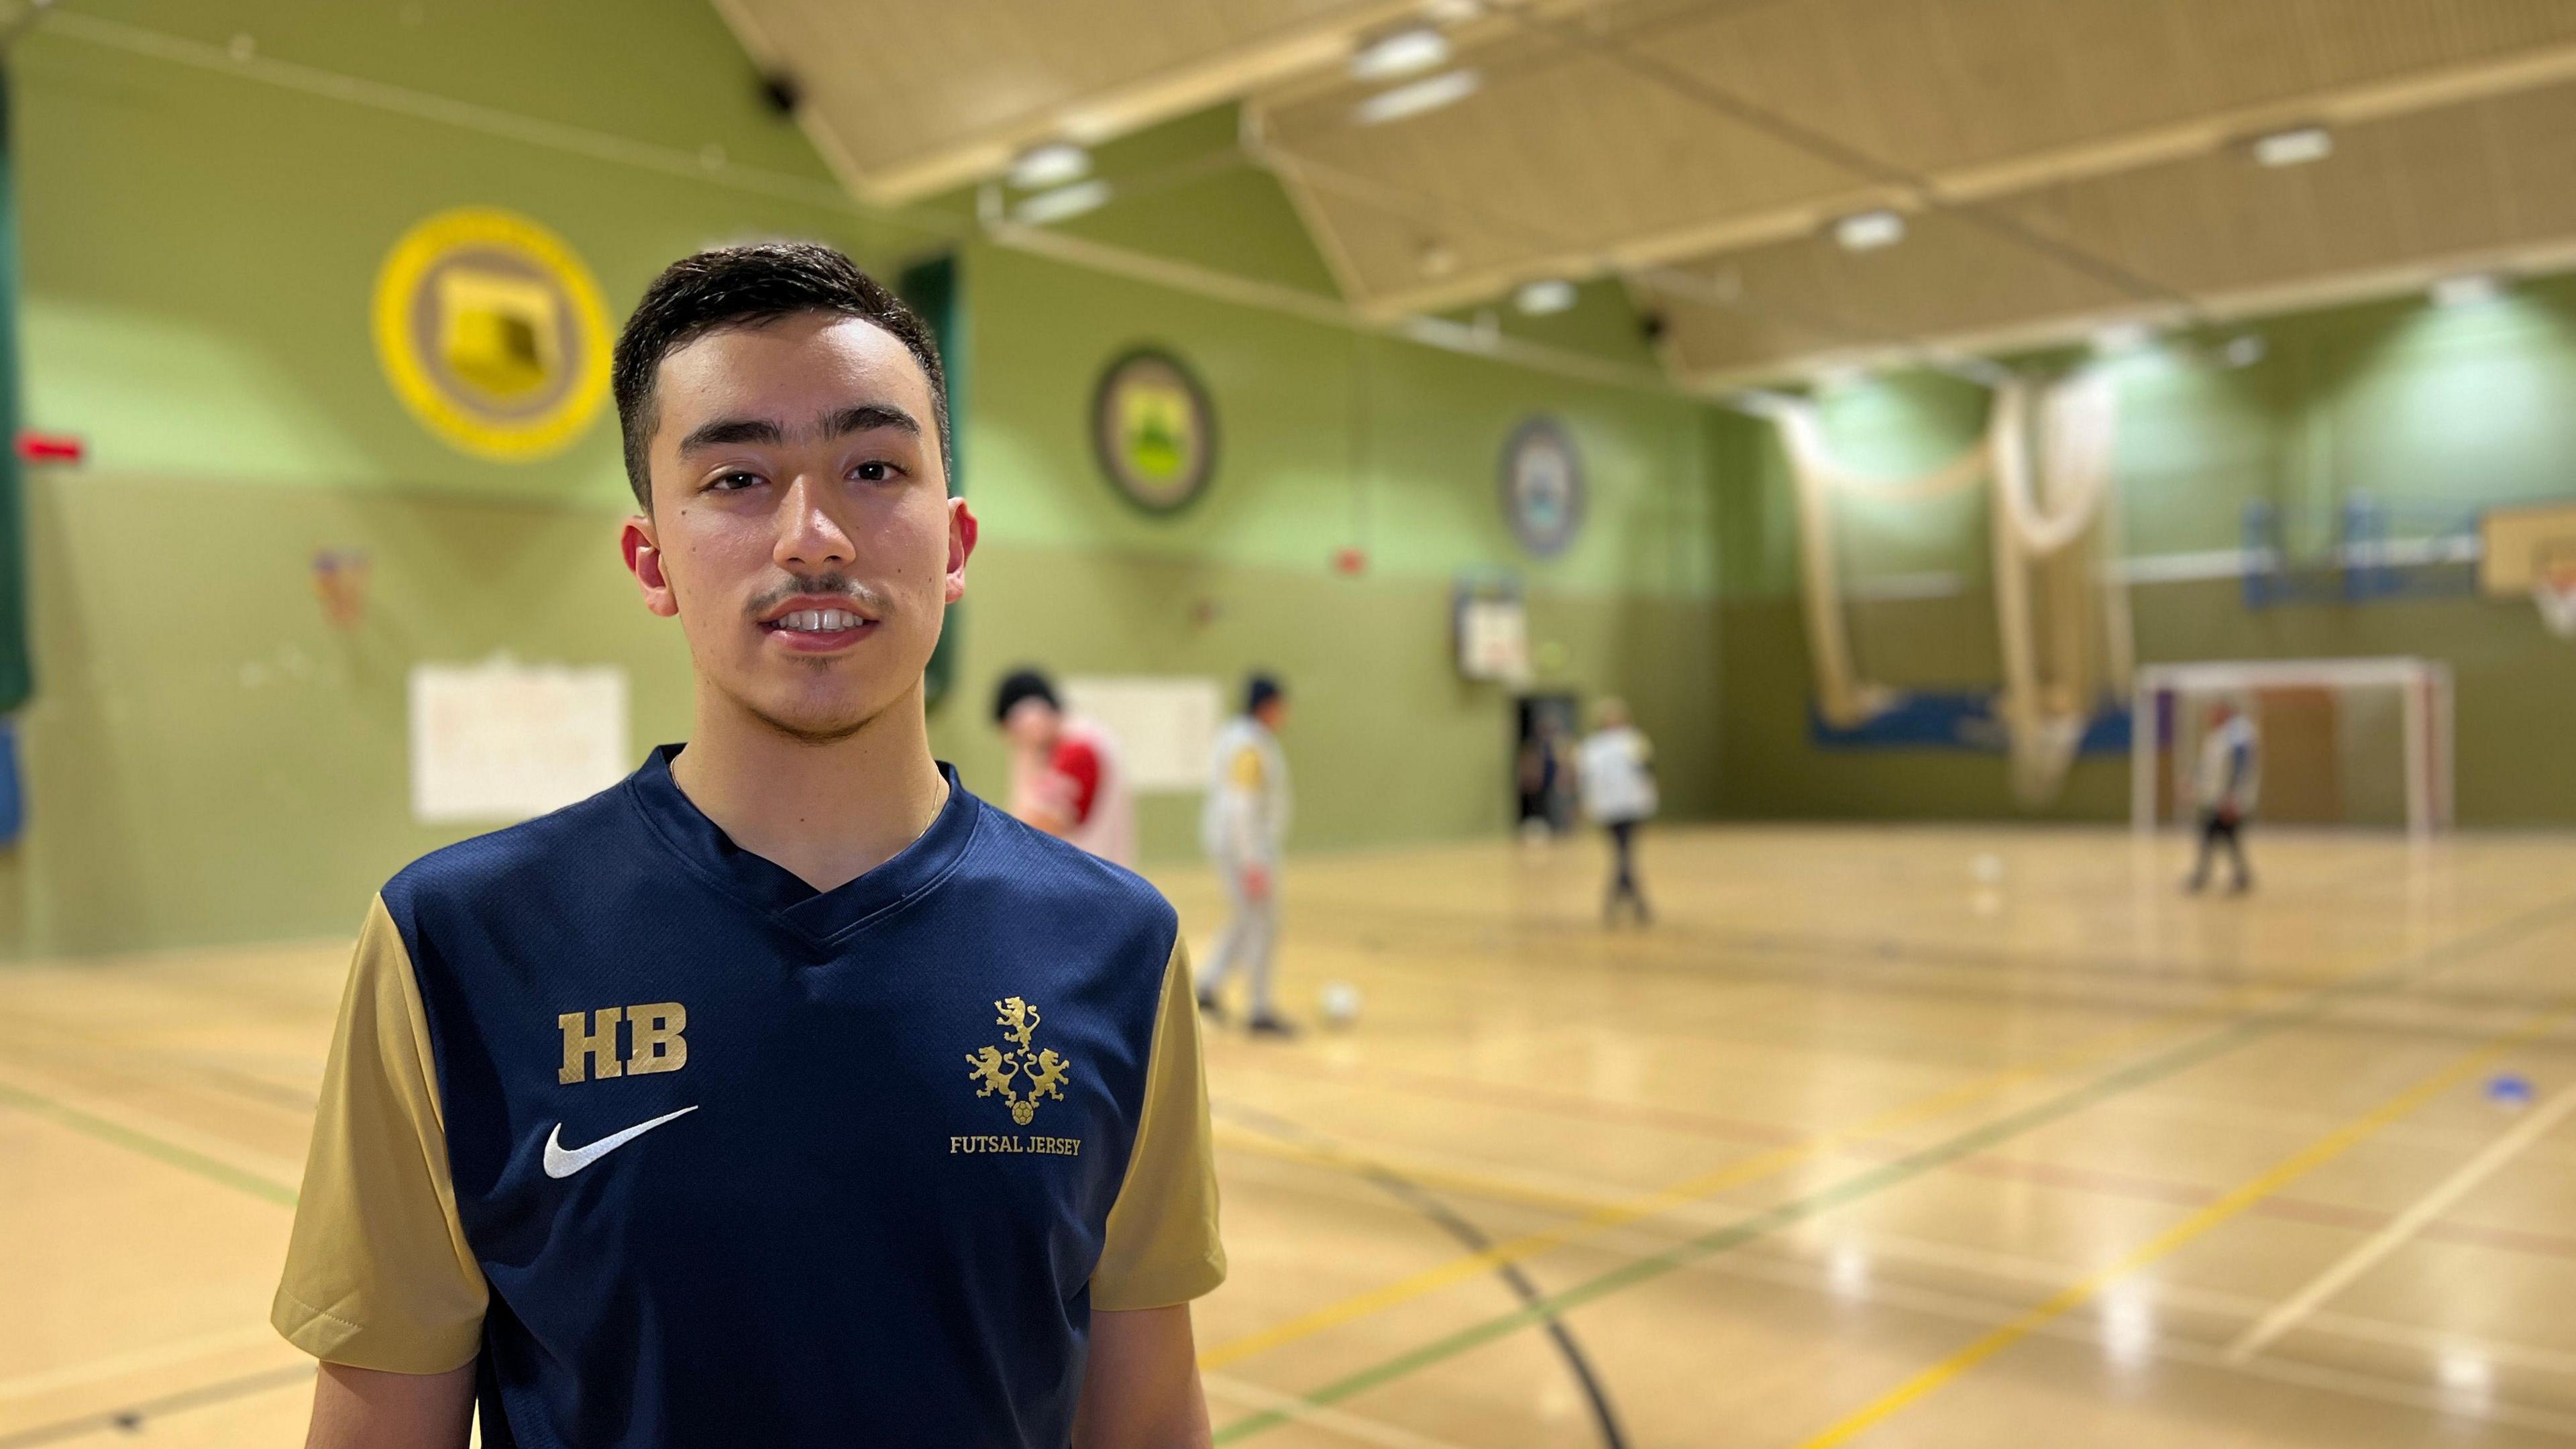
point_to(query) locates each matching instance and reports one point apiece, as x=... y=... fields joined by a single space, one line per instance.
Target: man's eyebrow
x=868 y=418
x=865 y=418
x=733 y=430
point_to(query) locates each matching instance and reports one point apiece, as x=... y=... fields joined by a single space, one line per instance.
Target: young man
x=1244 y=827
x=1065 y=778
x=2227 y=783
x=1616 y=773
x=784 y=1094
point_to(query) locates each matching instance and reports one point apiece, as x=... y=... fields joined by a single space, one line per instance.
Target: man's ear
x=644 y=560
x=962 y=529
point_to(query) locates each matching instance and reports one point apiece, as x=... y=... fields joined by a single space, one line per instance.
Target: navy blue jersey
x=685 y=1152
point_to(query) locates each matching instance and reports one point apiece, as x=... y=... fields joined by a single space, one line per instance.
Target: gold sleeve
x=378 y=1274
x=1163 y=1246
x=1247 y=772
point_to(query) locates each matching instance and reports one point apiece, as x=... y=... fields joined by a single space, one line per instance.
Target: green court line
x=186 y=1159
x=1899 y=1170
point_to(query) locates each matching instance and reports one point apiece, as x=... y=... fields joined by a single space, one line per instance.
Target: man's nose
x=808 y=536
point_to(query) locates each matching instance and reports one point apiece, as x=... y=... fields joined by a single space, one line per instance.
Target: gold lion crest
x=1042 y=1072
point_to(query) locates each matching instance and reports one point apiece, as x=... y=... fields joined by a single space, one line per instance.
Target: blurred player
x=1065 y=776
x=1244 y=828
x=1616 y=773
x=2227 y=783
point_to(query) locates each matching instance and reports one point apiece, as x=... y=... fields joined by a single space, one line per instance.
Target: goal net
x=2343 y=741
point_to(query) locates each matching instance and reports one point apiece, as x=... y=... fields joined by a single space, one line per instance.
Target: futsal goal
x=2344 y=741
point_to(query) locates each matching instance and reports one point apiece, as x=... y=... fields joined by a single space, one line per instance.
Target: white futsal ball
x=1988 y=869
x=1341 y=1002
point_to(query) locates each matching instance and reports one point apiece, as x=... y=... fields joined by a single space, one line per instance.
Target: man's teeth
x=819 y=621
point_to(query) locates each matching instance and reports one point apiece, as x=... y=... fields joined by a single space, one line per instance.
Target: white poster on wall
x=1493 y=640
x=1166 y=725
x=501 y=741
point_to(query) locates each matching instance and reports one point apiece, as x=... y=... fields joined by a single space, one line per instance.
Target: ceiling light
x=1061 y=204
x=1053 y=164
x=1400 y=52
x=1870 y=230
x=1429 y=94
x=1540 y=298
x=2122 y=337
x=2294 y=148
x=2467 y=290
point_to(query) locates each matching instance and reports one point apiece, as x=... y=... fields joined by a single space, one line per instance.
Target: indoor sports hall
x=1894 y=677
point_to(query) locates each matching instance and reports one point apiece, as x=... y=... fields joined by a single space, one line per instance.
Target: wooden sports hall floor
x=1853 y=1146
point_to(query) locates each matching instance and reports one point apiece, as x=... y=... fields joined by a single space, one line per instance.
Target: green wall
x=209 y=760
x=1327 y=440
x=2436 y=411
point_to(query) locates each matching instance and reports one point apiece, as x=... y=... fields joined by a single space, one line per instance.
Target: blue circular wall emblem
x=1543 y=486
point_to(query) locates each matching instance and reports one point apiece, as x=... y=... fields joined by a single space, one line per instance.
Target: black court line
x=1423 y=1200
x=136 y=1418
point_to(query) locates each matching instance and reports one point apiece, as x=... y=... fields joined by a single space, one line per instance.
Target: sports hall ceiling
x=2058 y=165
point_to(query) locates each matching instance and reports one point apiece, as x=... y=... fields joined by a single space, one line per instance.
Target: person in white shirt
x=1065 y=776
x=1615 y=771
x=2229 y=780
x=1244 y=828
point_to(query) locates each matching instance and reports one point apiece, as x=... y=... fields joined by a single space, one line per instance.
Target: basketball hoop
x=2553 y=588
x=340 y=582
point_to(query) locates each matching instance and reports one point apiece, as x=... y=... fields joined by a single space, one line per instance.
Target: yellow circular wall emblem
x=491 y=331
x=1154 y=430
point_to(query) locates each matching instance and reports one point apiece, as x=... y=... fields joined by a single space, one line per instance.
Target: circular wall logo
x=491 y=331
x=1543 y=486
x=1154 y=431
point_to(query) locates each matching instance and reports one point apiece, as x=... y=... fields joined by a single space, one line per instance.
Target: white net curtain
x=2063 y=618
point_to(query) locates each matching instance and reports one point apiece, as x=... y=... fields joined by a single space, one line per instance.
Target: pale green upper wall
x=1327 y=438
x=201 y=245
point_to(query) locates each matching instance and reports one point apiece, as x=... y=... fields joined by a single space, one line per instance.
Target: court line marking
x=2170 y=1062
x=187 y=1159
x=1337 y=1421
x=2417 y=1216
x=1766 y=1164
x=2244 y=1195
x=2373 y=1387
x=2011 y=1269
x=1802 y=1274
x=1616 y=1214
x=159 y=1355
x=140 y=1415
x=1605 y=1415
x=1490 y=1179
x=144 y=1105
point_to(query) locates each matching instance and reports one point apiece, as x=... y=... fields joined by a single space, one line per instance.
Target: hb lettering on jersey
x=654 y=1043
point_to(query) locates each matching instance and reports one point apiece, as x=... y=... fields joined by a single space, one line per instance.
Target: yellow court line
x=2238 y=1199
x=1679 y=1194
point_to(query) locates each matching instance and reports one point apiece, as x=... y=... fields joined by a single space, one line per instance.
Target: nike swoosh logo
x=561 y=1162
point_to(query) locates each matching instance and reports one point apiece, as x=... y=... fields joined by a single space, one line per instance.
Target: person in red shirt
x=1064 y=769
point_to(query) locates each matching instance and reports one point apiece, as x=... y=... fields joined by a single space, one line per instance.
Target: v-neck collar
x=776 y=891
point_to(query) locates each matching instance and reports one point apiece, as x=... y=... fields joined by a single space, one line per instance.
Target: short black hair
x=745 y=286
x=1018 y=685
x=1260 y=689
